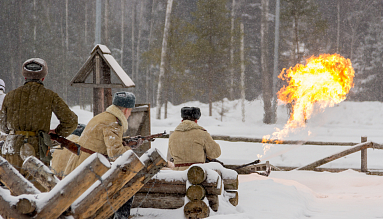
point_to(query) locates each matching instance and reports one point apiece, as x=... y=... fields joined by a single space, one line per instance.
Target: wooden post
x=40 y=172
x=14 y=181
x=363 y=166
x=153 y=161
x=98 y=93
x=73 y=185
x=123 y=170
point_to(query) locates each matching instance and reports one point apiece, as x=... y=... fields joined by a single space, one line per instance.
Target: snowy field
x=292 y=194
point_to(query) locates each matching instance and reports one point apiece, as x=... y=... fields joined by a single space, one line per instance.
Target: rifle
x=133 y=141
x=248 y=164
x=70 y=145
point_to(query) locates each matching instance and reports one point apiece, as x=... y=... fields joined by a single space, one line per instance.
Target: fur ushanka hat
x=35 y=68
x=124 y=99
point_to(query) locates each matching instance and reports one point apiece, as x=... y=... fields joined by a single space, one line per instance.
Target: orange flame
x=323 y=81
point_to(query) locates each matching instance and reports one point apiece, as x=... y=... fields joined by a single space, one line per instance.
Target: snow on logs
x=14 y=181
x=200 y=185
x=122 y=170
x=55 y=202
x=153 y=161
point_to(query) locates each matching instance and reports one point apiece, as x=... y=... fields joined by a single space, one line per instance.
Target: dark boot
x=124 y=211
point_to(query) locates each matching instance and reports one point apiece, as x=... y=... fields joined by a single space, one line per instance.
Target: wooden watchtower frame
x=100 y=63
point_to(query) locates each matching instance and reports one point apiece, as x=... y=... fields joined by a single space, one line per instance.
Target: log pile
x=196 y=189
x=93 y=189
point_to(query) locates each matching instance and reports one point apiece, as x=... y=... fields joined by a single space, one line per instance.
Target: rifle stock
x=70 y=145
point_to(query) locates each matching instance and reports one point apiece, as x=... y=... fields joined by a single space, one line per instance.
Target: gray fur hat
x=35 y=68
x=124 y=99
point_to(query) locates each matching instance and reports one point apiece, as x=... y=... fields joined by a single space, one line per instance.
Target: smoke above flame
x=324 y=81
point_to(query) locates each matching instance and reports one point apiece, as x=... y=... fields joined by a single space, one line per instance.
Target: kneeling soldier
x=190 y=143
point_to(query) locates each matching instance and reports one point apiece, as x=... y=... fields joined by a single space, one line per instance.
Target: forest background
x=203 y=62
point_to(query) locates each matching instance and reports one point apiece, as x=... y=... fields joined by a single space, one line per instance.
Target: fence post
x=363 y=167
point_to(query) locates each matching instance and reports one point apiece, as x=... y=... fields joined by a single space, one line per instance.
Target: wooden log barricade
x=153 y=161
x=72 y=186
x=122 y=170
x=89 y=187
x=201 y=187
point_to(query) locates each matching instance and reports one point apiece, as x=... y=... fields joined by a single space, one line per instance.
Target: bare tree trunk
x=163 y=57
x=66 y=75
x=106 y=21
x=266 y=85
x=148 y=68
x=243 y=97
x=82 y=93
x=338 y=28
x=133 y=47
x=232 y=51
x=276 y=60
x=122 y=32
x=139 y=37
x=296 y=41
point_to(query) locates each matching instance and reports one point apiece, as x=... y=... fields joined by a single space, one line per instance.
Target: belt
x=184 y=164
x=26 y=133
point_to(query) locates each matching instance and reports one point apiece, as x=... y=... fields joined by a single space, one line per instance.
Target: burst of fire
x=323 y=81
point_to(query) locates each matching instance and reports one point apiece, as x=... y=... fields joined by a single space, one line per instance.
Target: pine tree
x=209 y=59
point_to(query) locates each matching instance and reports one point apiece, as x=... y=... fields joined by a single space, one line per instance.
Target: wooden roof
x=88 y=67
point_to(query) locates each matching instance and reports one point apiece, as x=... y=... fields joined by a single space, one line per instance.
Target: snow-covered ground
x=292 y=194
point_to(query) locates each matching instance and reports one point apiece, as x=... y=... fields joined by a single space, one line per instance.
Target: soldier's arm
x=68 y=119
x=213 y=150
x=113 y=141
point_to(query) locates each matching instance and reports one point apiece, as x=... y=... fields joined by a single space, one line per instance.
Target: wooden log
x=41 y=173
x=196 y=209
x=213 y=202
x=158 y=200
x=231 y=184
x=232 y=197
x=7 y=210
x=328 y=159
x=153 y=161
x=196 y=175
x=25 y=206
x=195 y=192
x=122 y=170
x=275 y=141
x=73 y=185
x=14 y=181
x=179 y=186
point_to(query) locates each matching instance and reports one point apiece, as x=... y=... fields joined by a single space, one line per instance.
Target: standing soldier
x=26 y=116
x=190 y=143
